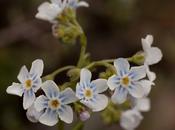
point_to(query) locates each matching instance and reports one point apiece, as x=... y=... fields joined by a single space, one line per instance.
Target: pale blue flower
x=128 y=81
x=30 y=83
x=130 y=119
x=55 y=104
x=89 y=92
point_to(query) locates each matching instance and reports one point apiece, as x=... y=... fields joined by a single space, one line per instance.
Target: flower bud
x=85 y=115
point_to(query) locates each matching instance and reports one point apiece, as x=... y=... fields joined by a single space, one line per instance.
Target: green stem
x=60 y=125
x=83 y=42
x=78 y=126
x=52 y=75
x=105 y=63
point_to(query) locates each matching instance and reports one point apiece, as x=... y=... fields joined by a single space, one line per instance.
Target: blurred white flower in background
x=130 y=119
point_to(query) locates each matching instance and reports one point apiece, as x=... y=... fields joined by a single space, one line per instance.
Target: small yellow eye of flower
x=54 y=104
x=28 y=84
x=88 y=93
x=125 y=81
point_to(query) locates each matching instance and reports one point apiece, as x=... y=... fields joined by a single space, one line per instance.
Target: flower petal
x=101 y=85
x=23 y=74
x=50 y=88
x=68 y=96
x=85 y=76
x=120 y=95
x=100 y=103
x=48 y=11
x=143 y=104
x=147 y=42
x=37 y=84
x=122 y=66
x=113 y=82
x=15 y=89
x=151 y=75
x=66 y=114
x=56 y=1
x=33 y=115
x=49 y=117
x=130 y=119
x=146 y=84
x=97 y=104
x=136 y=90
x=79 y=91
x=82 y=4
x=37 y=67
x=41 y=103
x=28 y=99
x=153 y=56
x=137 y=73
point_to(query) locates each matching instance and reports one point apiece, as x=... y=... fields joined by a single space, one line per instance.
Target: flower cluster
x=47 y=103
x=62 y=15
x=127 y=83
x=130 y=119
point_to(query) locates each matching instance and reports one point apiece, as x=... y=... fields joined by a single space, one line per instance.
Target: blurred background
x=114 y=29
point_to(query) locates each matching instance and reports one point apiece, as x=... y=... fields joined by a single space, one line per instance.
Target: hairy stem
x=83 y=42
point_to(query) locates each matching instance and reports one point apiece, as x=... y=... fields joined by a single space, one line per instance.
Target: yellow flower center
x=88 y=93
x=125 y=81
x=28 y=83
x=54 y=104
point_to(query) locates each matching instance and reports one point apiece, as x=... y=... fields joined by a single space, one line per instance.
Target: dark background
x=114 y=29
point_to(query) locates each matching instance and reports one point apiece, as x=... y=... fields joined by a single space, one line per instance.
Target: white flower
x=142 y=104
x=50 y=11
x=89 y=92
x=130 y=119
x=30 y=83
x=33 y=115
x=152 y=55
x=54 y=104
x=128 y=81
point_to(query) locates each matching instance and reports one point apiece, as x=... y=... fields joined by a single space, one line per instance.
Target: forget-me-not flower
x=127 y=81
x=55 y=104
x=29 y=83
x=152 y=55
x=130 y=119
x=49 y=11
x=89 y=92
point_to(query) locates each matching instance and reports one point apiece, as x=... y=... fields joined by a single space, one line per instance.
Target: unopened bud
x=85 y=115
